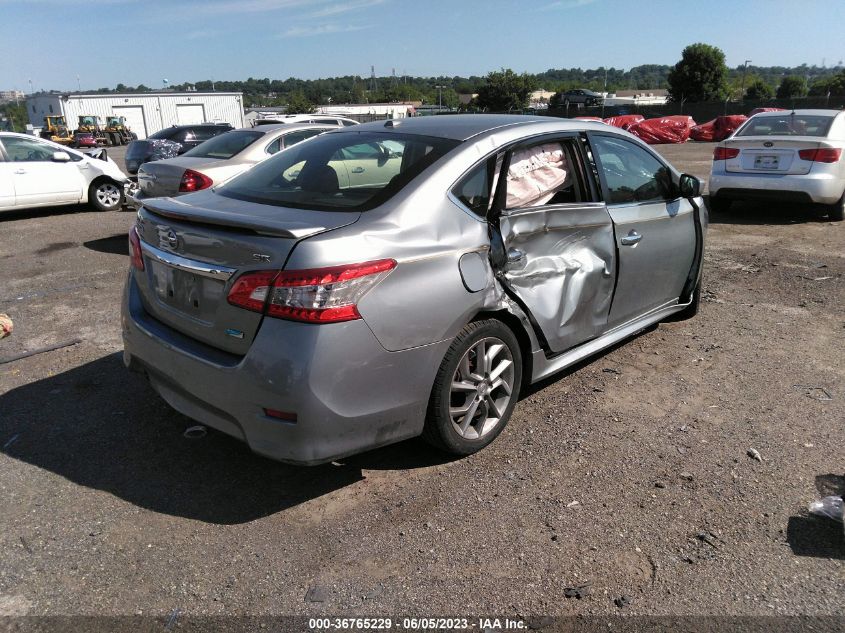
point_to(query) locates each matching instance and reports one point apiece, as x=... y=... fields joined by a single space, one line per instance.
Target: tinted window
x=474 y=190
x=326 y=121
x=167 y=132
x=225 y=145
x=296 y=137
x=354 y=171
x=631 y=173
x=205 y=133
x=26 y=150
x=788 y=124
x=348 y=123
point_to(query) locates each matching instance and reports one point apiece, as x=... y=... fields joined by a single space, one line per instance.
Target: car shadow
x=113 y=245
x=760 y=213
x=102 y=427
x=819 y=537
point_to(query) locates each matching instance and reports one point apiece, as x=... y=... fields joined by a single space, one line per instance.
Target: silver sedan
x=399 y=279
x=220 y=158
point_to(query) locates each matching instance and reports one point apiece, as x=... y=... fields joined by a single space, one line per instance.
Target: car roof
x=458 y=127
x=804 y=112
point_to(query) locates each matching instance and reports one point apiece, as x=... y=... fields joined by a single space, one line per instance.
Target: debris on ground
x=753 y=453
x=40 y=350
x=578 y=591
x=831 y=507
x=316 y=593
x=686 y=475
x=195 y=432
x=6 y=325
x=816 y=393
x=622 y=601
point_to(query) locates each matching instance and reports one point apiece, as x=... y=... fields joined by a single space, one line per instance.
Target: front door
x=654 y=226
x=559 y=242
x=37 y=178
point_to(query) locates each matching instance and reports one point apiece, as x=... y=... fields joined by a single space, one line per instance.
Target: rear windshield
x=787 y=125
x=225 y=145
x=165 y=133
x=339 y=171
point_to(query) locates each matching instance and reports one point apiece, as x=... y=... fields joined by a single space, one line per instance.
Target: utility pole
x=439 y=96
x=744 y=69
x=78 y=85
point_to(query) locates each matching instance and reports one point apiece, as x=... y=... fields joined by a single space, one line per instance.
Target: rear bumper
x=820 y=188
x=348 y=392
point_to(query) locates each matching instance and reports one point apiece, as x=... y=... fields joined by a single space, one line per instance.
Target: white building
x=145 y=113
x=387 y=110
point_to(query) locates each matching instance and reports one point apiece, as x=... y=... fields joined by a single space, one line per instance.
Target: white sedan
x=784 y=156
x=35 y=172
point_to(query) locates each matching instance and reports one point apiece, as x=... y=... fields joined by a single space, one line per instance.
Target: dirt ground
x=630 y=473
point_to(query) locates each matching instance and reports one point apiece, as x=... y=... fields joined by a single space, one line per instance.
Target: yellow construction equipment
x=55 y=129
x=91 y=123
x=117 y=132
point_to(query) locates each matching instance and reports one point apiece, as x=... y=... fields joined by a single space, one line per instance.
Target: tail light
x=724 y=153
x=316 y=295
x=194 y=181
x=821 y=154
x=136 y=258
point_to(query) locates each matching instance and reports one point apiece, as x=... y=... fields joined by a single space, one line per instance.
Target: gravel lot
x=629 y=473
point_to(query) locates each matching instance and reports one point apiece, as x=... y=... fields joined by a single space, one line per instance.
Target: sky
x=106 y=42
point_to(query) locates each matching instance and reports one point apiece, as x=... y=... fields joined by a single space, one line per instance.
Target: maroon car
x=84 y=139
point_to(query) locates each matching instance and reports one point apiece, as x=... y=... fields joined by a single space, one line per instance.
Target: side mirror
x=61 y=157
x=690 y=186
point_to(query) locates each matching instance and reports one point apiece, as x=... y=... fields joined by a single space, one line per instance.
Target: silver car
x=218 y=159
x=409 y=278
x=783 y=156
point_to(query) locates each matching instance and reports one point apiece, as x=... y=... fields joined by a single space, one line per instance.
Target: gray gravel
x=106 y=508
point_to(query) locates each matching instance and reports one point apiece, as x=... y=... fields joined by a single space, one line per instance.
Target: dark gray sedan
x=408 y=278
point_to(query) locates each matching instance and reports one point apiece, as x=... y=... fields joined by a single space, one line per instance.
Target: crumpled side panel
x=567 y=274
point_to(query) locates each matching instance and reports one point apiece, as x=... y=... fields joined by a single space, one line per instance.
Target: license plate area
x=764 y=161
x=183 y=291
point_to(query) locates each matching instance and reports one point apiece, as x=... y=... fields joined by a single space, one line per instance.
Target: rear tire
x=718 y=205
x=105 y=195
x=475 y=390
x=836 y=212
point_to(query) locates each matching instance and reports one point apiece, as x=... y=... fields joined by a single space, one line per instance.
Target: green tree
x=829 y=85
x=504 y=91
x=792 y=87
x=701 y=75
x=758 y=90
x=15 y=115
x=299 y=104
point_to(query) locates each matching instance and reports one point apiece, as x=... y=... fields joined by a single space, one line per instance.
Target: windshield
x=225 y=145
x=347 y=170
x=787 y=125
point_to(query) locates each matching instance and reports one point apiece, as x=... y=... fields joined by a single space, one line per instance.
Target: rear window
x=225 y=145
x=787 y=125
x=165 y=133
x=352 y=171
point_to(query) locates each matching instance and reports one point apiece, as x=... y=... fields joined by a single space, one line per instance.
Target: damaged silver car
x=406 y=278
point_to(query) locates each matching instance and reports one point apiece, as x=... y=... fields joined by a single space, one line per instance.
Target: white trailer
x=146 y=113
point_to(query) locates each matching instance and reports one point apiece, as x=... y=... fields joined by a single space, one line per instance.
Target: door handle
x=631 y=239
x=19 y=171
x=357 y=170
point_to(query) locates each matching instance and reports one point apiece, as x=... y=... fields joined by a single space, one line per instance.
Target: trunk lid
x=770 y=155
x=195 y=247
x=162 y=177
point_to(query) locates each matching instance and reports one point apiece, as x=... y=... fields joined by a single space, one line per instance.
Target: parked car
x=321 y=119
x=783 y=156
x=36 y=172
x=389 y=280
x=219 y=159
x=84 y=139
x=169 y=142
x=577 y=97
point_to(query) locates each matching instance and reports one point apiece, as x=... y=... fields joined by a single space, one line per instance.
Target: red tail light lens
x=135 y=255
x=821 y=154
x=316 y=295
x=194 y=181
x=724 y=153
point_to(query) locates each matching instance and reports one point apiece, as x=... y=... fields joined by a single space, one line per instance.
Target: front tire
x=476 y=388
x=105 y=195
